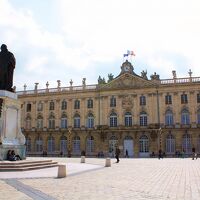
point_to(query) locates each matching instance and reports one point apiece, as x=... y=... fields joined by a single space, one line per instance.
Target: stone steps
x=26 y=165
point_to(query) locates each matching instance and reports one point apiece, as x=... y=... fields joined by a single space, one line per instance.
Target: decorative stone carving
x=127 y=102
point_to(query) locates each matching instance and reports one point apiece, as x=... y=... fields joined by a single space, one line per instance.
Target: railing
x=180 y=80
x=60 y=89
x=94 y=87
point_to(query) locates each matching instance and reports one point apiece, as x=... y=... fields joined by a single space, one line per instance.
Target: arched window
x=169 y=118
x=64 y=121
x=51 y=121
x=90 y=145
x=51 y=144
x=198 y=116
x=76 y=104
x=113 y=120
x=28 y=144
x=187 y=143
x=28 y=122
x=77 y=121
x=128 y=119
x=143 y=119
x=76 y=145
x=39 y=144
x=63 y=144
x=51 y=105
x=170 y=144
x=144 y=144
x=90 y=121
x=90 y=103
x=40 y=122
x=64 y=105
x=185 y=117
x=142 y=100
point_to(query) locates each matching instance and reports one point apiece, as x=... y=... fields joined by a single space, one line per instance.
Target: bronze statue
x=7 y=66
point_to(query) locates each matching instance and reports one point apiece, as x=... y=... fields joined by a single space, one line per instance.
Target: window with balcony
x=113 y=120
x=185 y=117
x=169 y=118
x=128 y=119
x=51 y=121
x=77 y=121
x=90 y=121
x=40 y=122
x=64 y=121
x=143 y=119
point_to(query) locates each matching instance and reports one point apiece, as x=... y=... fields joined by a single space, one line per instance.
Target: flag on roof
x=130 y=53
x=126 y=55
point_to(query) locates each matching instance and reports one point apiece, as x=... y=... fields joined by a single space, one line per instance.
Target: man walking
x=117 y=152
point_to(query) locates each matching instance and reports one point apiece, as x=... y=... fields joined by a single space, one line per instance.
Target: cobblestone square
x=138 y=179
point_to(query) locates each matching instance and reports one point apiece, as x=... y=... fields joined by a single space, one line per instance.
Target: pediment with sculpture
x=128 y=81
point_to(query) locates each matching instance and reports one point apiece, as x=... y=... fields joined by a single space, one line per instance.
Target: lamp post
x=160 y=133
x=69 y=143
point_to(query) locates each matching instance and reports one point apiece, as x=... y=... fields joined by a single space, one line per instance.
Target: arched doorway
x=113 y=142
x=144 y=146
x=128 y=146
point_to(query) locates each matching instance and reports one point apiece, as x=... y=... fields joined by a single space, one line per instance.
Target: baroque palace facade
x=137 y=114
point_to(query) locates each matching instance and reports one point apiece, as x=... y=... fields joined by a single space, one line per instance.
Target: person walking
x=117 y=152
x=160 y=154
x=193 y=153
x=127 y=156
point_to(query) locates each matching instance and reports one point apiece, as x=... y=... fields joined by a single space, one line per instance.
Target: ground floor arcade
x=140 y=143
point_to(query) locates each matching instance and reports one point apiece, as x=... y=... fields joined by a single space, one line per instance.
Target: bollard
x=108 y=162
x=61 y=171
x=82 y=159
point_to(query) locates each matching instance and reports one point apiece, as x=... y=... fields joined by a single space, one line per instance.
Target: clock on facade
x=126 y=68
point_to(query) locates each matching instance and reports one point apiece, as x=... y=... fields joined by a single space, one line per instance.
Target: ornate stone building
x=137 y=114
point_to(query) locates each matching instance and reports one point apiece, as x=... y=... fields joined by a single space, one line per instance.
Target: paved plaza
x=138 y=179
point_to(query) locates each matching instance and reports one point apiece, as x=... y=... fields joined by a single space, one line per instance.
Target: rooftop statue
x=7 y=66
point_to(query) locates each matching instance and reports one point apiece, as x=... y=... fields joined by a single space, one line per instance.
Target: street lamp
x=160 y=132
x=69 y=143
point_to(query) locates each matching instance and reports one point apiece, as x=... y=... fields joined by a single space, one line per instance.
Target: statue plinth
x=11 y=136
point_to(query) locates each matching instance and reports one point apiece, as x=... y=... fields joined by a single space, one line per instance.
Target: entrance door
x=112 y=147
x=128 y=145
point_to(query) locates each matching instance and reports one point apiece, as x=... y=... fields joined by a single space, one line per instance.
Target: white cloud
x=98 y=33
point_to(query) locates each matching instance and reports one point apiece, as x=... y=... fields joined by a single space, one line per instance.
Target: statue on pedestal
x=7 y=66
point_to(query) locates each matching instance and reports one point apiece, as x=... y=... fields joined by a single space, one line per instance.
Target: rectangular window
x=90 y=103
x=142 y=100
x=184 y=98
x=28 y=107
x=198 y=98
x=168 y=99
x=113 y=102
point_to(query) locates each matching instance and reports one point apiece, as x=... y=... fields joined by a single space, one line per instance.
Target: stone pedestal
x=82 y=159
x=108 y=162
x=11 y=136
x=62 y=171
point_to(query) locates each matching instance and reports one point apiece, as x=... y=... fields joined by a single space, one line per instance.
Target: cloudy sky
x=72 y=39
